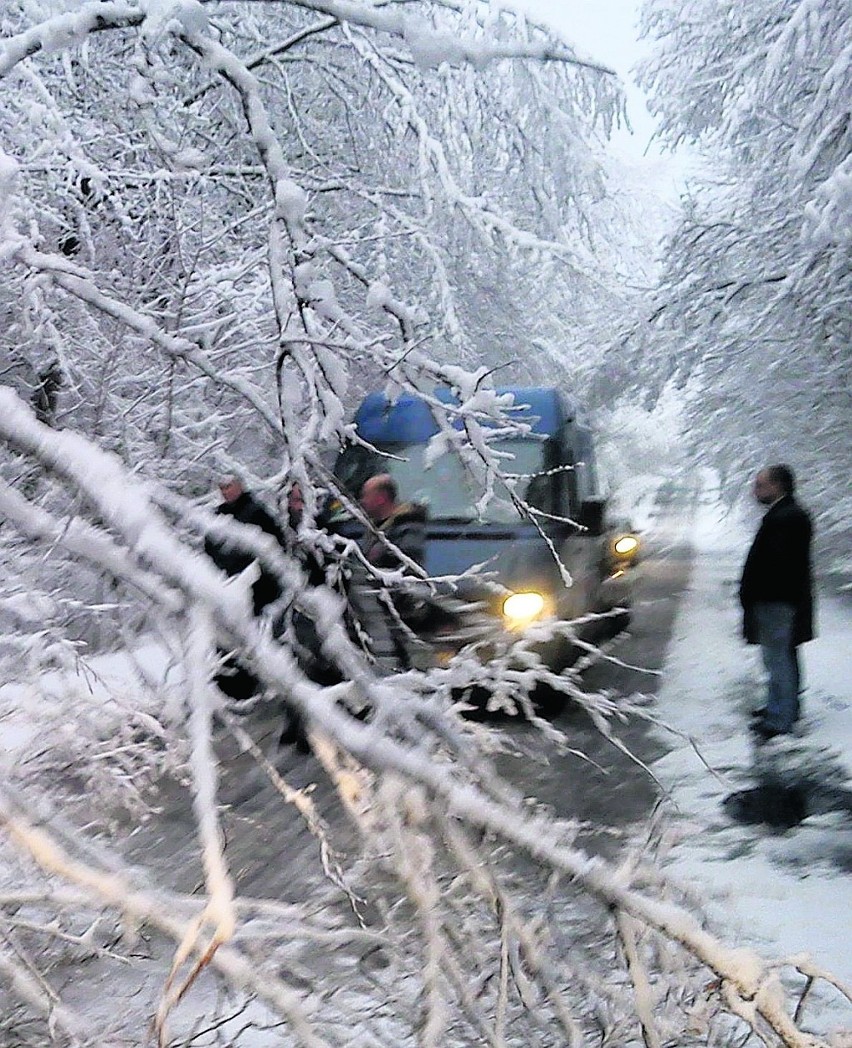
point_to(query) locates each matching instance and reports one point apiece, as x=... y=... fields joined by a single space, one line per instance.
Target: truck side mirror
x=591 y=516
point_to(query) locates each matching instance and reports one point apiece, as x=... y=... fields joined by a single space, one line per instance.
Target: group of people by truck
x=396 y=542
x=393 y=540
x=495 y=567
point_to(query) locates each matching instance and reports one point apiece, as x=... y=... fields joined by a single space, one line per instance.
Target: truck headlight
x=520 y=609
x=625 y=546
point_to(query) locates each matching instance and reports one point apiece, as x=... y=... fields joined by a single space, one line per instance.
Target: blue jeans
x=780 y=658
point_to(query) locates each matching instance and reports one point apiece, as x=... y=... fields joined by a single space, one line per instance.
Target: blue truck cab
x=523 y=558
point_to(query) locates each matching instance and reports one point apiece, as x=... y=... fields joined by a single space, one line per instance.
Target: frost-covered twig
x=77 y=282
x=642 y=990
x=219 y=912
x=34 y=992
x=301 y=801
x=117 y=892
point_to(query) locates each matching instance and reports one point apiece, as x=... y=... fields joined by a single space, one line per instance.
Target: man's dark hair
x=386 y=483
x=784 y=477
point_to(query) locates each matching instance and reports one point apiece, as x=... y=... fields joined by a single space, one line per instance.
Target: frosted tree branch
x=748 y=984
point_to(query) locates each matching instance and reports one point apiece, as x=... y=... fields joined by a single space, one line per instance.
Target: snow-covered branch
x=749 y=985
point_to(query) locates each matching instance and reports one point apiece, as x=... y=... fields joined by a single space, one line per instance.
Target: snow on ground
x=119 y=689
x=786 y=891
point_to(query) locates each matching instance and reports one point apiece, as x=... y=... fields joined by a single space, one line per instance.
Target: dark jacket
x=318 y=566
x=313 y=561
x=231 y=558
x=778 y=568
x=406 y=529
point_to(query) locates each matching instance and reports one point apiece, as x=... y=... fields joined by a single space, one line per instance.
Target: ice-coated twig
x=219 y=913
x=117 y=892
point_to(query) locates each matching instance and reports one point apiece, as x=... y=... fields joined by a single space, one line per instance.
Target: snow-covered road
x=781 y=891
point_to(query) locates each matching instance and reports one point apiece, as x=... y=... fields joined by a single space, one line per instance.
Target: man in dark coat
x=232 y=558
x=234 y=679
x=403 y=525
x=776 y=593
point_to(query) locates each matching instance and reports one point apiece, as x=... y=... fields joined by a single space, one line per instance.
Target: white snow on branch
x=750 y=985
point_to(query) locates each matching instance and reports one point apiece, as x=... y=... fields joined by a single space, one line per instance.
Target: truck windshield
x=447 y=487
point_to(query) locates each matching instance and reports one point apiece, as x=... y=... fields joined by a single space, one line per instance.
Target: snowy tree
x=218 y=219
x=398 y=196
x=752 y=314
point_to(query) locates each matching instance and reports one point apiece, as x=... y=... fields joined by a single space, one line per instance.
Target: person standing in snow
x=776 y=593
x=318 y=569
x=230 y=556
x=401 y=525
x=234 y=680
x=307 y=644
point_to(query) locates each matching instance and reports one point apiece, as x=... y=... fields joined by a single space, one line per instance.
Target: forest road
x=272 y=854
x=271 y=851
x=609 y=790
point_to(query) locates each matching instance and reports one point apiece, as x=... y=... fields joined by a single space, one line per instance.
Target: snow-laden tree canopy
x=218 y=222
x=754 y=301
x=301 y=200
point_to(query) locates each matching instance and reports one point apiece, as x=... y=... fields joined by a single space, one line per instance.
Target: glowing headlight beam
x=522 y=608
x=625 y=546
